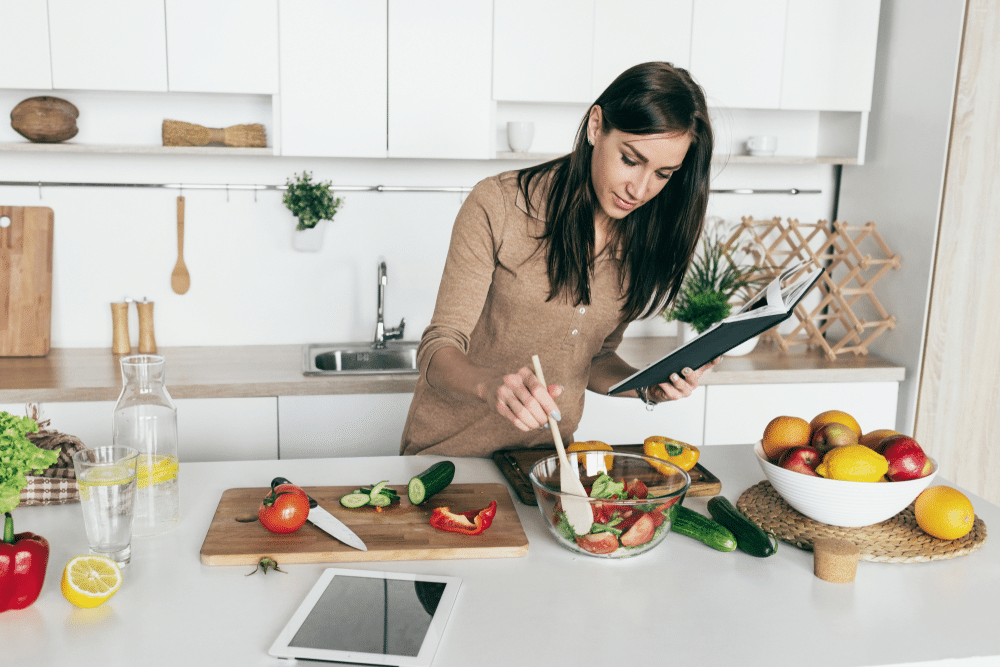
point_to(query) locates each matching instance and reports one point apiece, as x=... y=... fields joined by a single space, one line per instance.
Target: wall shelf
x=716 y=159
x=28 y=147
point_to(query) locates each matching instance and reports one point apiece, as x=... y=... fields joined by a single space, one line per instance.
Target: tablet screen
x=387 y=616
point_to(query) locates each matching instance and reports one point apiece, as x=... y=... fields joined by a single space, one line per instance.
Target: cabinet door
x=737 y=51
x=343 y=425
x=657 y=30
x=737 y=414
x=626 y=421
x=440 y=58
x=333 y=77
x=829 y=58
x=108 y=45
x=24 y=48
x=222 y=46
x=542 y=50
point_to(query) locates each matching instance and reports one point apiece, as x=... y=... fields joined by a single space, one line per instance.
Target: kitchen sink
x=398 y=356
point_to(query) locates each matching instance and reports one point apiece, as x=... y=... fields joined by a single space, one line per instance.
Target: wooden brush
x=179 y=133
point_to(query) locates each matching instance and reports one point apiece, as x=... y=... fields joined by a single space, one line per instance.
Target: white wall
x=247 y=284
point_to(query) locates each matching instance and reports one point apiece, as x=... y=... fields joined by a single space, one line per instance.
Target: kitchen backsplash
x=248 y=286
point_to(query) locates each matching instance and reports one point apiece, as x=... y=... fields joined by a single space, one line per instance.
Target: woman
x=556 y=260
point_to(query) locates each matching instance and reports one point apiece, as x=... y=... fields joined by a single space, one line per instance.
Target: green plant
x=714 y=277
x=310 y=202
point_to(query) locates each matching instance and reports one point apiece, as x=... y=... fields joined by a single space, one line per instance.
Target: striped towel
x=56 y=484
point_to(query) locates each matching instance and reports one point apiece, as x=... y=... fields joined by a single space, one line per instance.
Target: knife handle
x=284 y=480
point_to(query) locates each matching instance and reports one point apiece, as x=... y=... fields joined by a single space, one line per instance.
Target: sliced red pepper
x=467 y=523
x=23 y=559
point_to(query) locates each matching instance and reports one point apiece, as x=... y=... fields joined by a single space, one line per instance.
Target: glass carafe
x=146 y=419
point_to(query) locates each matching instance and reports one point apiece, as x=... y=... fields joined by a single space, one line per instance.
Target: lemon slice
x=157 y=468
x=106 y=476
x=89 y=581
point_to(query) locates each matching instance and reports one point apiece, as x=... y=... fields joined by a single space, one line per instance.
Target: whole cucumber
x=749 y=536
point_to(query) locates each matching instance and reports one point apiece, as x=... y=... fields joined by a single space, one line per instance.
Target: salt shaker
x=147 y=339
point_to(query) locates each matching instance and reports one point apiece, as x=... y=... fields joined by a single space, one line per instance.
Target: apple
x=833 y=434
x=907 y=459
x=803 y=459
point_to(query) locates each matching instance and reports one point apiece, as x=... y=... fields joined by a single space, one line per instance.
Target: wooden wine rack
x=848 y=316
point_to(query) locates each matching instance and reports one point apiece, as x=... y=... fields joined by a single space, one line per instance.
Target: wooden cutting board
x=399 y=532
x=25 y=280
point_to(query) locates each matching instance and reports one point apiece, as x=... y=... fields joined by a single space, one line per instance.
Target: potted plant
x=23 y=556
x=311 y=203
x=717 y=274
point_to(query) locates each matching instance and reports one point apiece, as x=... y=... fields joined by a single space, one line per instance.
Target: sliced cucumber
x=380 y=500
x=431 y=481
x=378 y=488
x=356 y=499
x=385 y=491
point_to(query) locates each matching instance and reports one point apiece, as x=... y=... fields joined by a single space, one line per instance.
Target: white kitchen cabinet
x=108 y=45
x=737 y=51
x=341 y=425
x=542 y=50
x=626 y=421
x=440 y=59
x=657 y=30
x=829 y=60
x=333 y=73
x=208 y=429
x=24 y=48
x=222 y=46
x=737 y=414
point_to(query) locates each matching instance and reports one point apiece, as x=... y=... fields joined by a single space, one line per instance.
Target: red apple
x=833 y=434
x=906 y=458
x=803 y=459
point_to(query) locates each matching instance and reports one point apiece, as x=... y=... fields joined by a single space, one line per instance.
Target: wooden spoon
x=180 y=279
x=578 y=511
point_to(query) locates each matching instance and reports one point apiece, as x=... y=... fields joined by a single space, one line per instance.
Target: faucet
x=381 y=333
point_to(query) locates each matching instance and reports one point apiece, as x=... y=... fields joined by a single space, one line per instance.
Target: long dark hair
x=658 y=239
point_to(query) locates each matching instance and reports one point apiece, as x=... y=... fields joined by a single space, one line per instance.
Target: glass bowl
x=623 y=527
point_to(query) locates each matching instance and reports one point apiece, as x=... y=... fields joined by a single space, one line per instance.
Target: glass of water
x=106 y=477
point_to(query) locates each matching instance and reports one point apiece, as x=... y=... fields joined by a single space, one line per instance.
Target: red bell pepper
x=466 y=523
x=23 y=559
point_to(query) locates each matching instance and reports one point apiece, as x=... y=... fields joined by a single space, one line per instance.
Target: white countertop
x=681 y=603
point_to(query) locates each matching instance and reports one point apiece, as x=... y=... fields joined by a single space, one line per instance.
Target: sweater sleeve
x=468 y=272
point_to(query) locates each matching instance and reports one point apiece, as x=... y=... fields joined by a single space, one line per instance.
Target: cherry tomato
x=284 y=510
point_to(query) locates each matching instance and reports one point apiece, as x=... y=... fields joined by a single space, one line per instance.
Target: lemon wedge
x=90 y=581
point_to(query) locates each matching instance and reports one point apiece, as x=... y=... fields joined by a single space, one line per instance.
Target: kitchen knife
x=326 y=522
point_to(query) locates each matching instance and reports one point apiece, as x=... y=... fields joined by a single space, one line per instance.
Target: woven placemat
x=895 y=540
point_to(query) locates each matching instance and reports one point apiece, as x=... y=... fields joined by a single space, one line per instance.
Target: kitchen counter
x=92 y=374
x=681 y=603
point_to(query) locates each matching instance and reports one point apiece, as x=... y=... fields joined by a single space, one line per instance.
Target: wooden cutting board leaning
x=25 y=280
x=399 y=532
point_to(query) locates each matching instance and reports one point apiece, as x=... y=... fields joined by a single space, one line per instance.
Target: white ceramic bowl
x=839 y=503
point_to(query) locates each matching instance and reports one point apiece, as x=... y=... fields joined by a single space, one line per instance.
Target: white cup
x=520 y=134
x=762 y=145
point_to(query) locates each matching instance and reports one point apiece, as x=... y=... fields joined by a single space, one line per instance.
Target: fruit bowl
x=638 y=524
x=839 y=503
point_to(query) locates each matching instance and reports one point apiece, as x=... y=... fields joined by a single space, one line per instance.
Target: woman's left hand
x=681 y=384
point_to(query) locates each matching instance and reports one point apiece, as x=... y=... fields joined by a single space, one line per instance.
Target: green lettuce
x=605 y=487
x=18 y=456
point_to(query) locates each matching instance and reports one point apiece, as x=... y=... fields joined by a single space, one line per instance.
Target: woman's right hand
x=521 y=398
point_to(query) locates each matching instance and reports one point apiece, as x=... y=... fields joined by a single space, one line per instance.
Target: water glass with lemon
x=106 y=477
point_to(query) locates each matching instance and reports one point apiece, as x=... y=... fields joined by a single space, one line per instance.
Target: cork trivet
x=895 y=540
x=835 y=559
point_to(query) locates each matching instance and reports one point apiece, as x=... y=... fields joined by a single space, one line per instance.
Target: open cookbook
x=768 y=308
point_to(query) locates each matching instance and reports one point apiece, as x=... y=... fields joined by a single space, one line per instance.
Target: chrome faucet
x=381 y=333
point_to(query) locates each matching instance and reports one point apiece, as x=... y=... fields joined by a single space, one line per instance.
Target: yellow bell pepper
x=681 y=454
x=592 y=445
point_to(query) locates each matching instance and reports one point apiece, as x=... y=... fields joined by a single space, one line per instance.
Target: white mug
x=762 y=145
x=520 y=134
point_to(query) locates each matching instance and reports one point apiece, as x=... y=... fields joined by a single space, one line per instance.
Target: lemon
x=853 y=463
x=89 y=581
x=155 y=469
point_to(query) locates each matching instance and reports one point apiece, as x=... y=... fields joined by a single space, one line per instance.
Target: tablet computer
x=372 y=618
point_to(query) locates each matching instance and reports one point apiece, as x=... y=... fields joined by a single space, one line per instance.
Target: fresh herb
x=18 y=456
x=310 y=202
x=265 y=564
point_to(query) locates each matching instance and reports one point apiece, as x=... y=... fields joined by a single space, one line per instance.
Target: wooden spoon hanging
x=180 y=279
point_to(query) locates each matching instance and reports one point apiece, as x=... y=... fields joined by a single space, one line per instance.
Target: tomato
x=640 y=532
x=284 y=510
x=598 y=543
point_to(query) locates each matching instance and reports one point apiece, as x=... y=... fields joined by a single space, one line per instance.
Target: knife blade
x=326 y=522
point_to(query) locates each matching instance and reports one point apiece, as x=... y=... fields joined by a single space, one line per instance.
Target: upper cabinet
x=222 y=46
x=440 y=58
x=108 y=45
x=24 y=48
x=333 y=99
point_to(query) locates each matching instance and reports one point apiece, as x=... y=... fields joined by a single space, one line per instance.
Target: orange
x=873 y=439
x=783 y=433
x=591 y=445
x=944 y=512
x=838 y=416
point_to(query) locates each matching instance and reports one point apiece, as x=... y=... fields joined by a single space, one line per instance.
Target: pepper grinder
x=120 y=342
x=147 y=339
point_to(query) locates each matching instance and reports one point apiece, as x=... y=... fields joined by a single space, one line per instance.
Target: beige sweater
x=492 y=306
